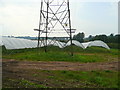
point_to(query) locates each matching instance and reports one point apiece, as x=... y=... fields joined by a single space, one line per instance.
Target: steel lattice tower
x=54 y=19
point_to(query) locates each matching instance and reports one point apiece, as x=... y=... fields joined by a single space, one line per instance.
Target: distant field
x=92 y=54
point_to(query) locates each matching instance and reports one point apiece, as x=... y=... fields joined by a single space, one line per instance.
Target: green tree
x=117 y=38
x=79 y=37
x=90 y=37
x=100 y=37
x=111 y=38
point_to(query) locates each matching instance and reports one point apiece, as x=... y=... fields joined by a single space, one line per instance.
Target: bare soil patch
x=26 y=70
x=56 y=65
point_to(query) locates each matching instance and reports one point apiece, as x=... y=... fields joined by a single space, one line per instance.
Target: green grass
x=97 y=78
x=61 y=79
x=92 y=54
x=23 y=84
x=0 y=52
x=55 y=56
x=114 y=45
x=70 y=79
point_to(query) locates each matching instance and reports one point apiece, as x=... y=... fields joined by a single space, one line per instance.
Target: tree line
x=107 y=39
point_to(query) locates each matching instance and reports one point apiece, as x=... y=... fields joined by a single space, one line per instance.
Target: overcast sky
x=20 y=17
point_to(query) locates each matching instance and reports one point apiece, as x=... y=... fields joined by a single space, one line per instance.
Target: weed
x=80 y=79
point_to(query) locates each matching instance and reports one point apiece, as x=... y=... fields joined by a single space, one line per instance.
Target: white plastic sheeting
x=55 y=43
x=96 y=43
x=15 y=43
x=86 y=44
x=1 y=43
x=75 y=43
x=89 y=44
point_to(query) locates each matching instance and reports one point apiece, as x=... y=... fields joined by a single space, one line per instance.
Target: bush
x=113 y=45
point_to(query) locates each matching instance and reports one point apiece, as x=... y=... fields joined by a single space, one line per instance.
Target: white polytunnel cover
x=15 y=43
x=1 y=43
x=75 y=43
x=53 y=42
x=96 y=43
x=58 y=43
x=86 y=44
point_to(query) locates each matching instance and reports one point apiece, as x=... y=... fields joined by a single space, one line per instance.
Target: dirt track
x=55 y=65
x=24 y=70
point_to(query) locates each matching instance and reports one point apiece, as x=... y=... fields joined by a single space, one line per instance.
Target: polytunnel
x=15 y=43
x=86 y=44
x=75 y=43
x=1 y=43
x=54 y=43
x=96 y=43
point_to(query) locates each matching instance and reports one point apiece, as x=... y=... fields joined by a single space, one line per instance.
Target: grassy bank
x=92 y=54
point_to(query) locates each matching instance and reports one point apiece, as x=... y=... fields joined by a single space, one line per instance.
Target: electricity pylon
x=54 y=19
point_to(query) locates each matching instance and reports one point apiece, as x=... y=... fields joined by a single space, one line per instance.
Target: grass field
x=61 y=78
x=65 y=79
x=92 y=54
